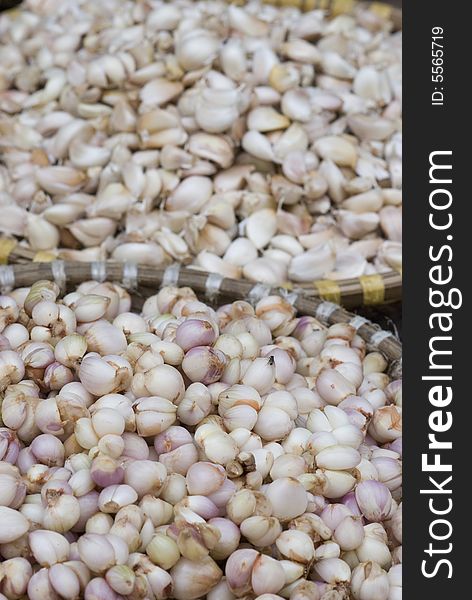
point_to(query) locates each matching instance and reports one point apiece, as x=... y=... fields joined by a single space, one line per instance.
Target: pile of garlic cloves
x=187 y=452
x=254 y=142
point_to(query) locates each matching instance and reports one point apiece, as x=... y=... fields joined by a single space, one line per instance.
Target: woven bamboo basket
x=367 y=290
x=142 y=281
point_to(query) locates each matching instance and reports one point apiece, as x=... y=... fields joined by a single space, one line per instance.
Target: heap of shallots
x=251 y=141
x=190 y=453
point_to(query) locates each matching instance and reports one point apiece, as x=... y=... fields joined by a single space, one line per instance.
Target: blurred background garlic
x=203 y=134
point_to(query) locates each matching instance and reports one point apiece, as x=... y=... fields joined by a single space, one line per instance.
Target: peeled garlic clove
x=84 y=155
x=123 y=118
x=284 y=191
x=392 y=196
x=266 y=118
x=339 y=150
x=325 y=99
x=146 y=254
x=257 y=145
x=157 y=119
x=266 y=271
x=287 y=243
x=134 y=179
x=173 y=244
x=213 y=239
x=391 y=222
x=301 y=51
x=246 y=23
x=61 y=214
x=173 y=158
x=14 y=220
x=390 y=253
x=335 y=65
x=261 y=226
x=111 y=202
x=41 y=234
x=283 y=77
x=335 y=179
x=216 y=110
x=191 y=194
x=348 y=265
x=279 y=257
x=219 y=212
x=214 y=264
x=240 y=252
x=164 y=18
x=371 y=84
x=313 y=264
x=211 y=147
x=160 y=91
x=370 y=201
x=75 y=129
x=371 y=127
x=263 y=60
x=296 y=105
x=60 y=180
x=233 y=59
x=173 y=136
x=297 y=165
x=293 y=139
x=92 y=232
x=315 y=188
x=356 y=226
x=196 y=48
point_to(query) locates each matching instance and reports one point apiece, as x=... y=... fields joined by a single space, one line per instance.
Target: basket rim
x=141 y=280
x=366 y=290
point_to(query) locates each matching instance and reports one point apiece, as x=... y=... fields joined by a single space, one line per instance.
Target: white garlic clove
x=261 y=226
x=371 y=127
x=160 y=91
x=240 y=252
x=257 y=145
x=313 y=264
x=266 y=118
x=338 y=149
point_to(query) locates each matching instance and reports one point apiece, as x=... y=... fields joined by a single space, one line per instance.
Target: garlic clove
x=339 y=150
x=261 y=226
x=160 y=91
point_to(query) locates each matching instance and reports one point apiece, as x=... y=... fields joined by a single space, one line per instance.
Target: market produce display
x=254 y=141
x=188 y=452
